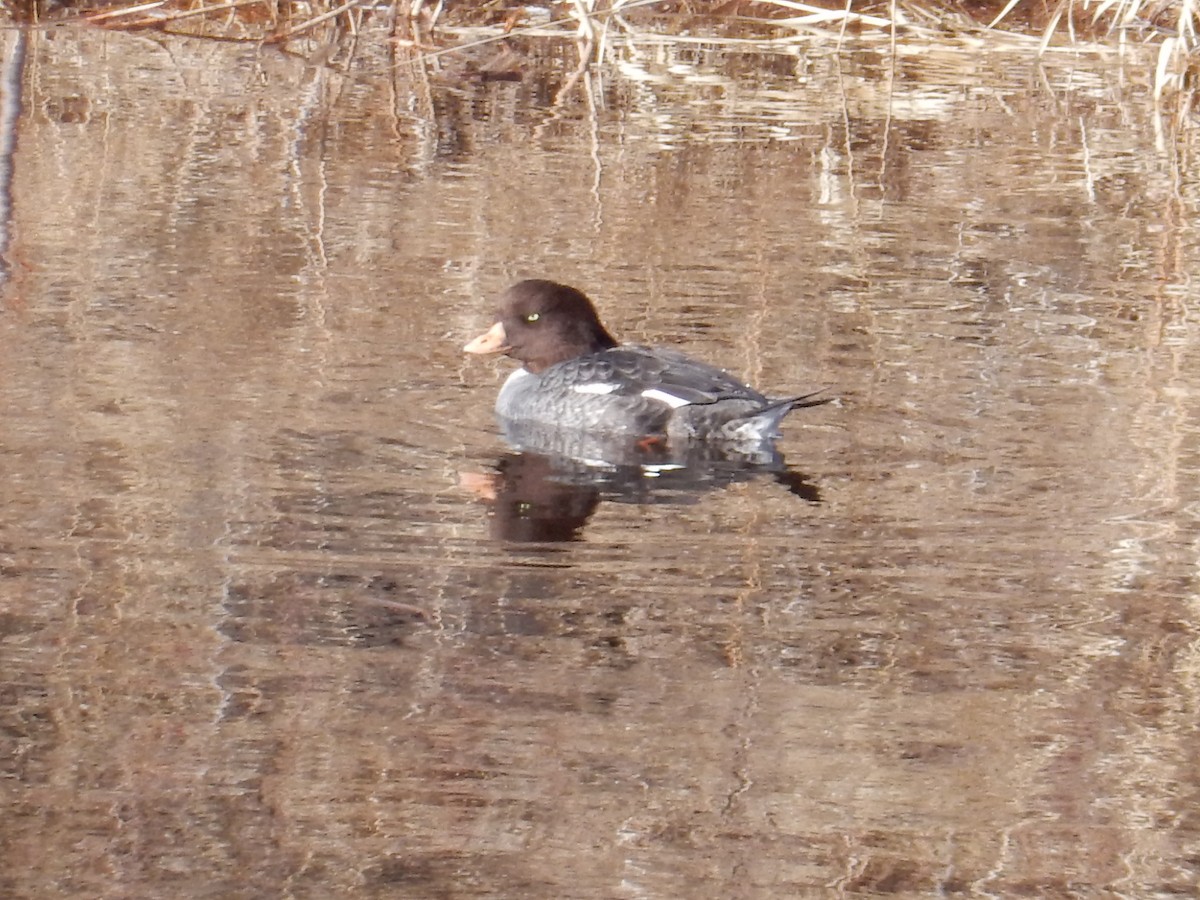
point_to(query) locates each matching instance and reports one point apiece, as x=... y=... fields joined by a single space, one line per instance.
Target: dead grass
x=1172 y=24
x=436 y=28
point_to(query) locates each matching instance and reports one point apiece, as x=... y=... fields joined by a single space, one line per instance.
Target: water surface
x=273 y=623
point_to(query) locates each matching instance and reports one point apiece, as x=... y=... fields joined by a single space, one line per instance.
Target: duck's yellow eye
x=533 y=317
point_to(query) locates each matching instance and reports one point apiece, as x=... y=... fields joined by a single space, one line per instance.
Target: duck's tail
x=763 y=423
x=803 y=401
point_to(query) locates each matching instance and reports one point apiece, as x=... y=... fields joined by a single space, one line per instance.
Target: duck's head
x=541 y=323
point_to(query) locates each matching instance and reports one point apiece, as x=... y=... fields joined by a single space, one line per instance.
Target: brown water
x=266 y=624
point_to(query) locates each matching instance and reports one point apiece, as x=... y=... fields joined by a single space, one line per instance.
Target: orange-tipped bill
x=494 y=340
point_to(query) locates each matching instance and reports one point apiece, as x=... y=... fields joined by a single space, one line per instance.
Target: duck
x=575 y=375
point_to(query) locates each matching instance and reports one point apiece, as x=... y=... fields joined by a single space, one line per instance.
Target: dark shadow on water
x=553 y=482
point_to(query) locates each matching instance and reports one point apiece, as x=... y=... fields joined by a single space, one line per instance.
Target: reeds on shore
x=434 y=28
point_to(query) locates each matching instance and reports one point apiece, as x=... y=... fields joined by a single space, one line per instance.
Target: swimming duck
x=575 y=375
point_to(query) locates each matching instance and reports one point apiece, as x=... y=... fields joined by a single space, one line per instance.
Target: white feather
x=598 y=387
x=515 y=376
x=670 y=399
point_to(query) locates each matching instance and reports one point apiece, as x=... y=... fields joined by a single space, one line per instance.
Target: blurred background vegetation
x=321 y=30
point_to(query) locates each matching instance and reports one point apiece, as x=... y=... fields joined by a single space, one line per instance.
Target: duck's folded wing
x=658 y=374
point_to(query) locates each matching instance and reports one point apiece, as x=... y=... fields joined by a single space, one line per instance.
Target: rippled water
x=282 y=615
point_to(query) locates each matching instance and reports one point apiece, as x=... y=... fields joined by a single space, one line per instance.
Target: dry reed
x=433 y=28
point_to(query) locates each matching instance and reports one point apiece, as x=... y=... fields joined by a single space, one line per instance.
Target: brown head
x=541 y=323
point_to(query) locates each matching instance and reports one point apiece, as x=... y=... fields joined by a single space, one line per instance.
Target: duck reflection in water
x=596 y=417
x=552 y=483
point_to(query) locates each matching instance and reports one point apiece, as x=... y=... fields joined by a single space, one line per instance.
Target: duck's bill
x=494 y=340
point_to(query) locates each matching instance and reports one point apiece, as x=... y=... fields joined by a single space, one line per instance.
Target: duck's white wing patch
x=596 y=387
x=662 y=396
